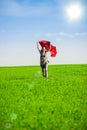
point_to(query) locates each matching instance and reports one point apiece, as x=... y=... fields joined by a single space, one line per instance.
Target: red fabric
x=53 y=51
x=47 y=45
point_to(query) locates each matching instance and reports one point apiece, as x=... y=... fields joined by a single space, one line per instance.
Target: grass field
x=30 y=102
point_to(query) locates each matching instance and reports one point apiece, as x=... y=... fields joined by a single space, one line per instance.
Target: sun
x=74 y=12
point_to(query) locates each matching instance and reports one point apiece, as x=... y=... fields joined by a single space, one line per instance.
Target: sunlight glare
x=74 y=12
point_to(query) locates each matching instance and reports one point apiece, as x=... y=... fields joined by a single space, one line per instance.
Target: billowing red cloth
x=45 y=44
x=49 y=47
x=53 y=51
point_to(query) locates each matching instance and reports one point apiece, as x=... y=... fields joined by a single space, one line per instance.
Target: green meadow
x=29 y=101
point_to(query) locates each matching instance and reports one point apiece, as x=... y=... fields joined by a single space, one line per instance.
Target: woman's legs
x=46 y=71
x=43 y=71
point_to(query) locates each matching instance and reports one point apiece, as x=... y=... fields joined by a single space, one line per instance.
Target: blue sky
x=24 y=22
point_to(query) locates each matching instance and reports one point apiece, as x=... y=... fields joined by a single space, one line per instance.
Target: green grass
x=30 y=102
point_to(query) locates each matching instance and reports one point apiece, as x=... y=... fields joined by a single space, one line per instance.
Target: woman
x=43 y=60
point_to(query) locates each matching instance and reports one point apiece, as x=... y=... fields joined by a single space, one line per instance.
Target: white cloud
x=59 y=34
x=64 y=34
x=13 y=8
x=51 y=34
x=81 y=34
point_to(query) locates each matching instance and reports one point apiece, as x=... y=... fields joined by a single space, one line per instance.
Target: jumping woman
x=43 y=60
